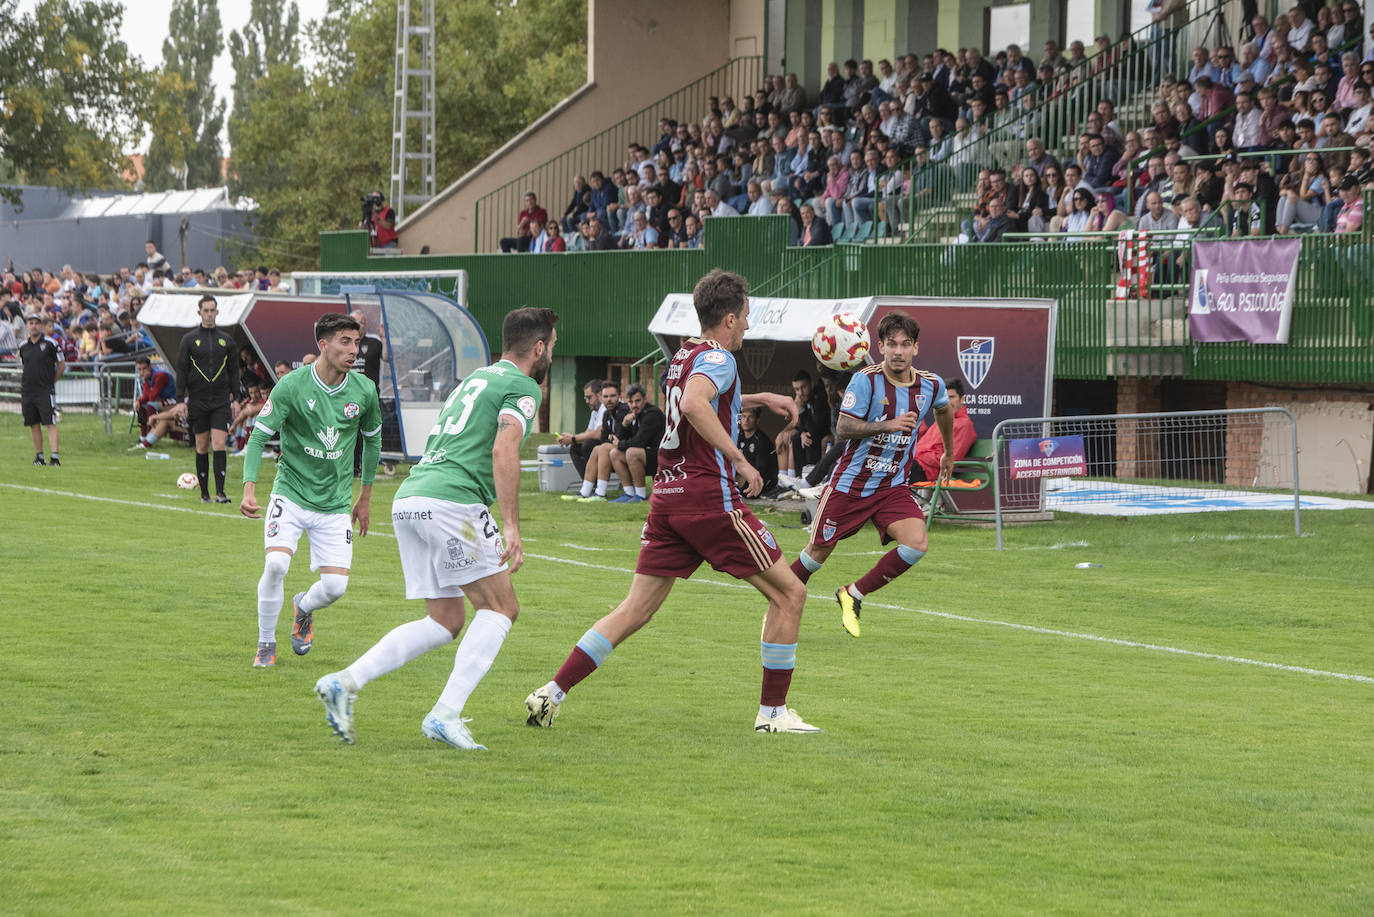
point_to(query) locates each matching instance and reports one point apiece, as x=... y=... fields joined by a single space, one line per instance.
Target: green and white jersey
x=318 y=426
x=456 y=465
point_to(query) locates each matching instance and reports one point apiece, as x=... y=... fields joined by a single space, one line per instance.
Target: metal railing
x=1331 y=340
x=1189 y=461
x=496 y=211
x=100 y=388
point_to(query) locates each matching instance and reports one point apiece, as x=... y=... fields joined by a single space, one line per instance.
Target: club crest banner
x=1242 y=290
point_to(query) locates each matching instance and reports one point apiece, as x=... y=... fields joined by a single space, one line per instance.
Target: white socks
x=328 y=590
x=404 y=643
x=771 y=712
x=602 y=487
x=586 y=489
x=270 y=594
x=476 y=653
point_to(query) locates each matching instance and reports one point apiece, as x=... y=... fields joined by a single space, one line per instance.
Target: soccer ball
x=187 y=480
x=841 y=343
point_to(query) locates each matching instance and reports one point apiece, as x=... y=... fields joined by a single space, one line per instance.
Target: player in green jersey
x=448 y=541
x=317 y=411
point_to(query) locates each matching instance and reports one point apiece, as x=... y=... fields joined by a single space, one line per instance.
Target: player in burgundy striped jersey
x=881 y=410
x=696 y=512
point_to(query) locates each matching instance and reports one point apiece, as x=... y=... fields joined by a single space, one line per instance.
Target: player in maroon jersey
x=697 y=514
x=881 y=410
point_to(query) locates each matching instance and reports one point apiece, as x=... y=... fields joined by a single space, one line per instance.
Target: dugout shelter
x=432 y=344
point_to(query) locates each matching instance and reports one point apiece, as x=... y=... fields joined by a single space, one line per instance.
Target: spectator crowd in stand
x=851 y=163
x=93 y=318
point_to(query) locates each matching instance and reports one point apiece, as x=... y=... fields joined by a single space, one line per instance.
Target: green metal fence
x=497 y=210
x=607 y=298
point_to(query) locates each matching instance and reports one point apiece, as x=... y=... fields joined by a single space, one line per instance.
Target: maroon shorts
x=840 y=515
x=735 y=543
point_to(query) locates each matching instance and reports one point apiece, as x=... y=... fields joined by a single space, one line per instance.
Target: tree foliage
x=185 y=151
x=306 y=144
x=71 y=97
x=269 y=42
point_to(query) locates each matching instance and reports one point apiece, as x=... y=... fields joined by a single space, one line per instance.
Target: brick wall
x=1243 y=441
x=1137 y=454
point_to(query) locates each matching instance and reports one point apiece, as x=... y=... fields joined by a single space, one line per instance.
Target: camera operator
x=379 y=220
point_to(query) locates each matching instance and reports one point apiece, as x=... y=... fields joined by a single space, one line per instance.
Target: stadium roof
x=196 y=200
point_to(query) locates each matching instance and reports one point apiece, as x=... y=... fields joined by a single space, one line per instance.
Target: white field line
x=944 y=615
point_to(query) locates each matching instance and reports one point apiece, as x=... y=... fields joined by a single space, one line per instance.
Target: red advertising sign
x=284 y=329
x=1003 y=352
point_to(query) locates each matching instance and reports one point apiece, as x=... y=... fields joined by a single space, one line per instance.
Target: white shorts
x=444 y=545
x=331 y=534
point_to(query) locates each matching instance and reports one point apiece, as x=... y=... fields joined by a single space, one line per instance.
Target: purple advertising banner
x=1055 y=457
x=1242 y=290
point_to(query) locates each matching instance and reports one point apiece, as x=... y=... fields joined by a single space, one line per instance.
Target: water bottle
x=1085 y=566
x=161 y=456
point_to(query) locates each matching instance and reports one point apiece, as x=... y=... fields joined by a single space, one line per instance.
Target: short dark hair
x=143 y=361
x=593 y=384
x=635 y=389
x=610 y=383
x=898 y=321
x=331 y=323
x=204 y=299
x=955 y=385
x=718 y=294
x=802 y=376
x=523 y=328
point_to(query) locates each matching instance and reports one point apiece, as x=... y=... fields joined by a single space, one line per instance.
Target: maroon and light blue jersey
x=884 y=460
x=693 y=476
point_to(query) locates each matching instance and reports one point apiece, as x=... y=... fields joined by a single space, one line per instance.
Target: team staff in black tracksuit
x=43 y=366
x=208 y=375
x=636 y=446
x=597 y=473
x=758 y=448
x=371 y=353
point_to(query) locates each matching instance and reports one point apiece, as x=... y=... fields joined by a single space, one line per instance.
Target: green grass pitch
x=982 y=753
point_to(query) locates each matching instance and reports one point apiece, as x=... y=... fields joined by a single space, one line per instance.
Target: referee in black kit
x=43 y=366
x=208 y=374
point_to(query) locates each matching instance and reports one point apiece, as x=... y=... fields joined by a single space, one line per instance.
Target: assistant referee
x=208 y=374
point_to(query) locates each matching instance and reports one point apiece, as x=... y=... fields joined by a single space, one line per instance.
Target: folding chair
x=971 y=474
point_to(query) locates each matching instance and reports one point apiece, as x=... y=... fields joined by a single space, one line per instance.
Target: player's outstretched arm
x=944 y=419
x=778 y=404
x=505 y=472
x=853 y=428
x=697 y=410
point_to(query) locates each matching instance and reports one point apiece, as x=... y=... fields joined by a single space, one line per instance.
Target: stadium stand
x=916 y=149
x=93 y=318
